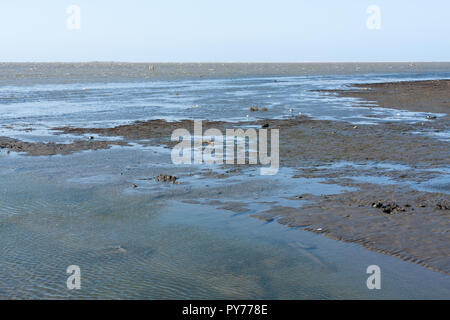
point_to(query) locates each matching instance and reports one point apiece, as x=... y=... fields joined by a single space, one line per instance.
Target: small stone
x=443 y=205
x=377 y=204
x=166 y=178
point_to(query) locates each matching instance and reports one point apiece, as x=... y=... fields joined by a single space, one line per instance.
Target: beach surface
x=377 y=176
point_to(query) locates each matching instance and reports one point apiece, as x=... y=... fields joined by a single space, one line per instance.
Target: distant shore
x=68 y=72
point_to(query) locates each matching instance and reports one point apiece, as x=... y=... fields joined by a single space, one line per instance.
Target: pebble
x=389 y=207
x=166 y=178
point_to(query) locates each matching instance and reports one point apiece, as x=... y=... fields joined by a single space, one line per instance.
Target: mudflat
x=395 y=219
x=423 y=96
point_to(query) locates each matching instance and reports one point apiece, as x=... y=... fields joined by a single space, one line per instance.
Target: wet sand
x=41 y=73
x=50 y=149
x=393 y=219
x=422 y=96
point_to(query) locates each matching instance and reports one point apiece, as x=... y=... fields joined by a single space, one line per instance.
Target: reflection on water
x=129 y=246
x=148 y=242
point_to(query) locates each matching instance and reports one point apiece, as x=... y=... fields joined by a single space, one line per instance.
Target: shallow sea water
x=149 y=243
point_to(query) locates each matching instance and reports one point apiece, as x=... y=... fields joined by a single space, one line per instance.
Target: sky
x=225 y=31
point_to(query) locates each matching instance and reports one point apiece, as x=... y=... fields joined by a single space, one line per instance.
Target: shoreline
x=418 y=229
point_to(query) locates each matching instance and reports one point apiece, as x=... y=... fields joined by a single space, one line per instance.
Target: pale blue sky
x=225 y=31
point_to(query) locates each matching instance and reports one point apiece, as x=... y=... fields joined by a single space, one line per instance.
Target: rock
x=263 y=109
x=134 y=186
x=389 y=207
x=377 y=204
x=265 y=125
x=253 y=109
x=166 y=178
x=443 y=205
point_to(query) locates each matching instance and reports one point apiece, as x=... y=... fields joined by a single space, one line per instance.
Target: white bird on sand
x=247 y=117
x=291 y=110
x=299 y=113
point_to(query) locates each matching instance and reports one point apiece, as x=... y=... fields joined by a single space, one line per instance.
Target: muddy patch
x=47 y=149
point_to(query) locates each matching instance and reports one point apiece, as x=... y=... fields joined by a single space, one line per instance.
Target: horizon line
x=228 y=62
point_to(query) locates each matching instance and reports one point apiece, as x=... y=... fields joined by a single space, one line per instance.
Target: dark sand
x=417 y=229
x=49 y=149
x=422 y=96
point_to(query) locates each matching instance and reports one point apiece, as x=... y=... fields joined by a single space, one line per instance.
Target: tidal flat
x=364 y=179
